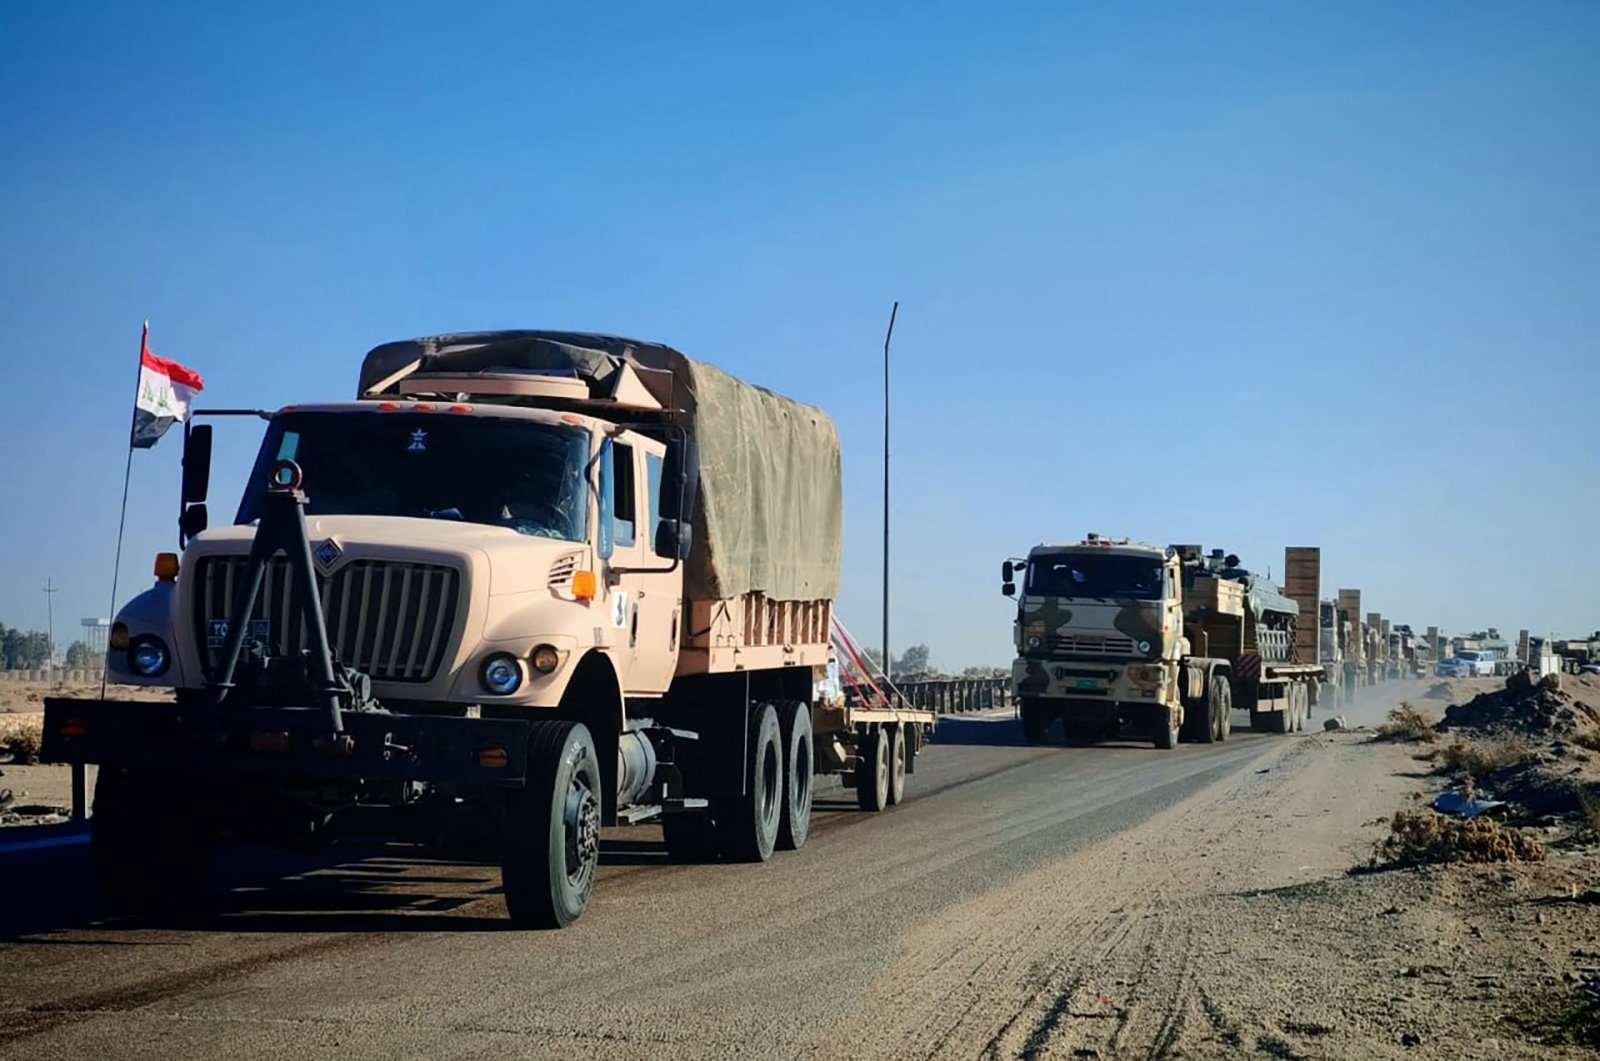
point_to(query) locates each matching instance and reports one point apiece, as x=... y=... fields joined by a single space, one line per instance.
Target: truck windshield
x=526 y=476
x=1094 y=575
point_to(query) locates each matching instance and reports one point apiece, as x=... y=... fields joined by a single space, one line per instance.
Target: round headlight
x=147 y=656
x=501 y=675
x=1035 y=641
x=1144 y=646
x=546 y=659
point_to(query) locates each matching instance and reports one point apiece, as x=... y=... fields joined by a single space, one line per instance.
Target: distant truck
x=1167 y=643
x=528 y=584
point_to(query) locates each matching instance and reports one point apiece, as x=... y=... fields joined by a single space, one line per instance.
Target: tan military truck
x=527 y=583
x=1113 y=636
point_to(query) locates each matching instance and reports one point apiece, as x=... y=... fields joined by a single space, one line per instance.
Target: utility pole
x=893 y=312
x=50 y=592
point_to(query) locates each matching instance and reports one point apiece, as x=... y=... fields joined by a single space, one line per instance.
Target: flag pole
x=127 y=474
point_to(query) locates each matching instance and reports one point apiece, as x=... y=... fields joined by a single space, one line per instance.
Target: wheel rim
x=580 y=826
x=899 y=775
x=883 y=762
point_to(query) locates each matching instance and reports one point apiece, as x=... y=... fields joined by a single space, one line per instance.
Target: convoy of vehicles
x=1167 y=643
x=526 y=584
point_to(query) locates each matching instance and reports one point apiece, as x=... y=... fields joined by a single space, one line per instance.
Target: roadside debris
x=1336 y=722
x=1464 y=804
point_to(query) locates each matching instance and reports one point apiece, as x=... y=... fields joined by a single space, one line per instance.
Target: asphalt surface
x=387 y=953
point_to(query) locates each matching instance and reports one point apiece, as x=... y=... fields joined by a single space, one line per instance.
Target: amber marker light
x=583 y=585
x=74 y=727
x=546 y=659
x=493 y=758
x=166 y=567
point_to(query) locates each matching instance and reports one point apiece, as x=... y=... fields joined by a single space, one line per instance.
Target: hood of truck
x=409 y=601
x=1094 y=627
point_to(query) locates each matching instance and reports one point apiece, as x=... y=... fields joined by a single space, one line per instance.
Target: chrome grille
x=389 y=619
x=1090 y=645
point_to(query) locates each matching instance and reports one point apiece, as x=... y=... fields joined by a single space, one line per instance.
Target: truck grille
x=1089 y=645
x=388 y=619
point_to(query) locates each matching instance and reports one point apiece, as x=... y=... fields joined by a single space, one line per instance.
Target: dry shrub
x=20 y=737
x=1422 y=838
x=1482 y=758
x=1407 y=723
x=1589 y=812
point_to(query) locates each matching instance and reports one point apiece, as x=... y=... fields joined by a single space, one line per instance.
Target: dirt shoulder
x=41 y=794
x=1231 y=926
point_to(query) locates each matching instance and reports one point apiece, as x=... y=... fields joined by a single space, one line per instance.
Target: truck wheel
x=897 y=765
x=872 y=770
x=150 y=844
x=550 y=836
x=1166 y=724
x=747 y=825
x=1221 y=694
x=799 y=764
x=1035 y=724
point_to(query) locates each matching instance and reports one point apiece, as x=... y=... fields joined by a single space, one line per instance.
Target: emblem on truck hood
x=327 y=553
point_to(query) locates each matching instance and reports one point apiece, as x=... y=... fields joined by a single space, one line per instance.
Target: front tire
x=747 y=825
x=1035 y=723
x=150 y=844
x=799 y=763
x=1167 y=727
x=550 y=844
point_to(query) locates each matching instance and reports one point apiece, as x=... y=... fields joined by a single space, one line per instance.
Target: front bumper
x=287 y=742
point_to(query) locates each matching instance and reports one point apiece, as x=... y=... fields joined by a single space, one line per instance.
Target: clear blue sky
x=1241 y=274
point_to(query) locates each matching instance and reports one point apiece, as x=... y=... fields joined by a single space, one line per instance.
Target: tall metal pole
x=50 y=628
x=893 y=312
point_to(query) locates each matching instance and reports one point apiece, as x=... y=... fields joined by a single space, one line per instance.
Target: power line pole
x=887 y=337
x=50 y=592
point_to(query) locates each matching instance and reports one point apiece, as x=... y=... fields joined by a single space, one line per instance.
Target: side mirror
x=194 y=520
x=196 y=463
x=674 y=539
x=1007 y=572
x=1009 y=589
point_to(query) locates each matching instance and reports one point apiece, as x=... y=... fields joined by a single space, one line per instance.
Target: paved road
x=382 y=954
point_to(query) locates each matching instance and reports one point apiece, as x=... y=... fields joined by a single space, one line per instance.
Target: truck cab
x=469 y=555
x=1099 y=638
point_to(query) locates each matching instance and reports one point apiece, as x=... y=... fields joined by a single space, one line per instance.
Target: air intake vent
x=388 y=619
x=561 y=571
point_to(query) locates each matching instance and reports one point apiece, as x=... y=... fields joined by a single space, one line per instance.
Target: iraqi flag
x=165 y=390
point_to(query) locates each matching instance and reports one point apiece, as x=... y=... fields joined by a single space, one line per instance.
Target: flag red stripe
x=177 y=373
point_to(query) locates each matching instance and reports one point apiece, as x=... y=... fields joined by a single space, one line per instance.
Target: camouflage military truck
x=1165 y=643
x=526 y=585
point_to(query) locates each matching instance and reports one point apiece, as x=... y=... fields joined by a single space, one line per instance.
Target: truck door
x=648 y=598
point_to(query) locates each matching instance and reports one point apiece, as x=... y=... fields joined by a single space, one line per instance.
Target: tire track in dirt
x=1083 y=957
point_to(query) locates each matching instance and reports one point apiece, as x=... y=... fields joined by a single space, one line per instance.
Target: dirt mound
x=1419 y=838
x=1552 y=707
